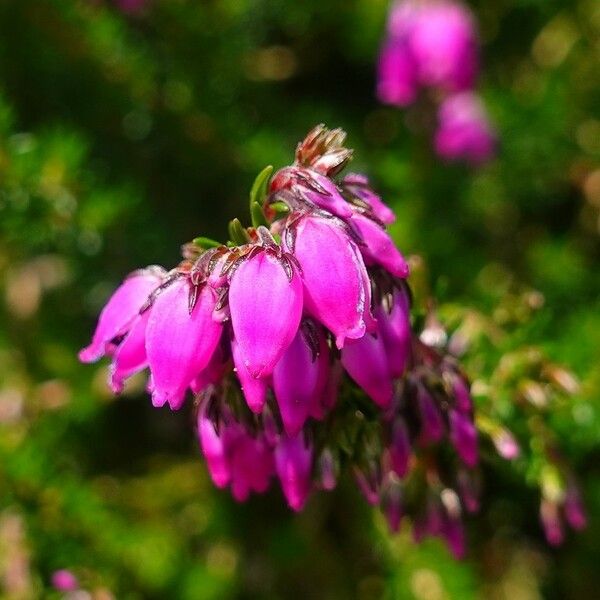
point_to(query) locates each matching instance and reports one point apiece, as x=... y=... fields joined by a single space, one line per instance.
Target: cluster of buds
x=295 y=340
x=432 y=45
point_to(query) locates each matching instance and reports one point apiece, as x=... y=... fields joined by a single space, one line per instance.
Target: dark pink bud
x=251 y=466
x=464 y=131
x=255 y=390
x=379 y=247
x=336 y=285
x=552 y=523
x=462 y=395
x=574 y=508
x=365 y=361
x=293 y=463
x=469 y=490
x=454 y=535
x=369 y=482
x=121 y=311
x=265 y=307
x=328 y=380
x=179 y=343
x=432 y=426
x=130 y=356
x=392 y=504
x=328 y=469
x=463 y=436
x=400 y=449
x=214 y=449
x=395 y=330
x=358 y=186
x=296 y=381
x=64 y=581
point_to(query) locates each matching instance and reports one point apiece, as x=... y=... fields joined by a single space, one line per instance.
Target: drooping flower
x=265 y=300
x=180 y=342
x=464 y=130
x=63 y=580
x=336 y=284
x=121 y=311
x=293 y=462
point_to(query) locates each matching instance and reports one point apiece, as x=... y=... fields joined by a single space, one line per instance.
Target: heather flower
x=293 y=463
x=265 y=300
x=180 y=339
x=336 y=284
x=296 y=341
x=64 y=581
x=464 y=131
x=121 y=311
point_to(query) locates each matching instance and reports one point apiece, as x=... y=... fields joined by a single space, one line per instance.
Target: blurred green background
x=123 y=135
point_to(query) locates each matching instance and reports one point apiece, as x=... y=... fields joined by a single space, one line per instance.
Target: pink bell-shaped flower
x=432 y=425
x=251 y=466
x=365 y=361
x=396 y=74
x=379 y=248
x=266 y=306
x=400 y=449
x=358 y=185
x=130 y=356
x=463 y=436
x=293 y=463
x=254 y=390
x=395 y=330
x=121 y=310
x=214 y=449
x=336 y=284
x=179 y=343
x=296 y=381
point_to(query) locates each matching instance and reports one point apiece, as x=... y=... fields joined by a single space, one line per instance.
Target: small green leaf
x=258 y=192
x=257 y=215
x=237 y=233
x=205 y=242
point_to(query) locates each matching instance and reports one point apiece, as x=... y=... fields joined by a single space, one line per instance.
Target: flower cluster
x=432 y=45
x=295 y=340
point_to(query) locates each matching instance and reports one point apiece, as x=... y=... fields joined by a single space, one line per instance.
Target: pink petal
x=295 y=381
x=130 y=356
x=179 y=344
x=336 y=289
x=120 y=311
x=293 y=463
x=365 y=361
x=214 y=451
x=358 y=185
x=379 y=247
x=265 y=311
x=254 y=390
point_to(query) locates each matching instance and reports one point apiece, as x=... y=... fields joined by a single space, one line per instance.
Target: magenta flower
x=378 y=247
x=295 y=339
x=265 y=300
x=64 y=581
x=395 y=329
x=443 y=43
x=366 y=362
x=464 y=131
x=297 y=382
x=336 y=284
x=121 y=311
x=357 y=186
x=464 y=437
x=293 y=462
x=213 y=445
x=397 y=82
x=180 y=342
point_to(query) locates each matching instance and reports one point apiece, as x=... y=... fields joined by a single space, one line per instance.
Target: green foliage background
x=123 y=136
